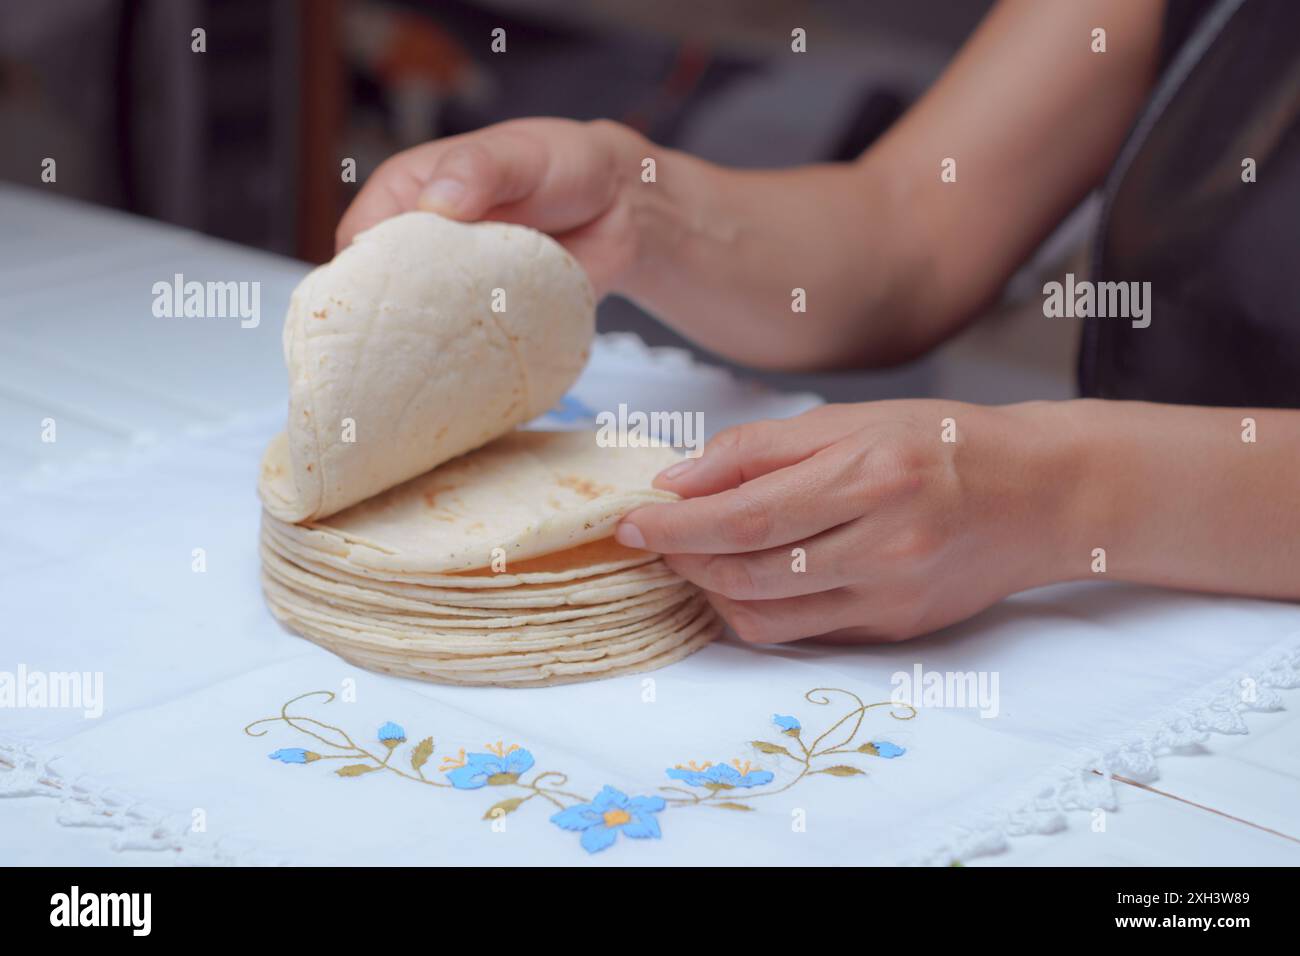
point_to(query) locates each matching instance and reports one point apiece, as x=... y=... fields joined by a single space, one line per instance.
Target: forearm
x=892 y=258
x=1176 y=498
x=1031 y=118
x=772 y=269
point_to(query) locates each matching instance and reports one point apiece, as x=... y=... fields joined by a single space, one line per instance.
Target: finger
x=460 y=177
x=778 y=508
x=498 y=166
x=788 y=619
x=745 y=452
x=393 y=188
x=821 y=563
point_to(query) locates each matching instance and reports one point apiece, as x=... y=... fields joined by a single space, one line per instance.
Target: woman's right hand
x=563 y=177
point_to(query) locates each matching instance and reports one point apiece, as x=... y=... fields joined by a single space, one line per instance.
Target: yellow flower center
x=451 y=763
x=616 y=818
x=697 y=767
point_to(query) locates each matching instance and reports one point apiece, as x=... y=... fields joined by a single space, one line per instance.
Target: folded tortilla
x=422 y=340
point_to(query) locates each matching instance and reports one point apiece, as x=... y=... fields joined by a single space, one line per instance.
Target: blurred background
x=244 y=141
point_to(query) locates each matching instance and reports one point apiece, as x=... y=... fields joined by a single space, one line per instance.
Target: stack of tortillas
x=408 y=526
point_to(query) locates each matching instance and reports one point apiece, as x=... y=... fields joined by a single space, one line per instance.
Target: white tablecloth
x=160 y=427
x=97 y=576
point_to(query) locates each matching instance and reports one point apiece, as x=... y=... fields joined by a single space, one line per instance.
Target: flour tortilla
x=547 y=675
x=573 y=564
x=398 y=335
x=529 y=493
x=594 y=658
x=436 y=617
x=329 y=584
x=325 y=579
x=477 y=632
x=465 y=645
x=694 y=627
x=474 y=643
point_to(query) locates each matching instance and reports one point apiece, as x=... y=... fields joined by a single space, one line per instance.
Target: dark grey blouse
x=1222 y=255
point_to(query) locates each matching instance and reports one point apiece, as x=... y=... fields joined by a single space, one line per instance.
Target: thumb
x=482 y=171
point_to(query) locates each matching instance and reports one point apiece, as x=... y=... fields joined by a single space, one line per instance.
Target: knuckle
x=607 y=127
x=383 y=172
x=750 y=625
x=746 y=523
x=744 y=444
x=470 y=159
x=660 y=532
x=831 y=412
x=904 y=620
x=731 y=577
x=388 y=174
x=727 y=441
x=896 y=466
x=914 y=544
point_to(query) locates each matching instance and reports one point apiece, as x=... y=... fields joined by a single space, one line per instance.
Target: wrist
x=633 y=207
x=663 y=207
x=1052 y=465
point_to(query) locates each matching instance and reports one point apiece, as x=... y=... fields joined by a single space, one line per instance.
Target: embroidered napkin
x=223 y=738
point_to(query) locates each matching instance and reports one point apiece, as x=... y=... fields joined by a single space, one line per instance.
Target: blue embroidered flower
x=721 y=776
x=502 y=766
x=612 y=812
x=295 y=755
x=790 y=726
x=391 y=734
x=883 y=748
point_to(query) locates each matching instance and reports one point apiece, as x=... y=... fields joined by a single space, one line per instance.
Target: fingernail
x=629 y=535
x=677 y=470
x=442 y=195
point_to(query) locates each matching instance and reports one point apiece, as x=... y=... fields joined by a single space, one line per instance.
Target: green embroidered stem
x=691 y=796
x=824 y=701
x=351 y=748
x=722 y=793
x=546 y=791
x=418 y=779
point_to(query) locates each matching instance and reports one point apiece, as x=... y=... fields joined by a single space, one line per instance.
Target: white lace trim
x=1085 y=783
x=136 y=825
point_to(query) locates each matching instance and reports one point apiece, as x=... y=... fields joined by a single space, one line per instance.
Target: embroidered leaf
x=715 y=786
x=728 y=805
x=423 y=750
x=764 y=747
x=355 y=770
x=869 y=748
x=505 y=806
x=841 y=770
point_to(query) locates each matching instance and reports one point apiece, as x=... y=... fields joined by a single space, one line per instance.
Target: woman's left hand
x=869 y=522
